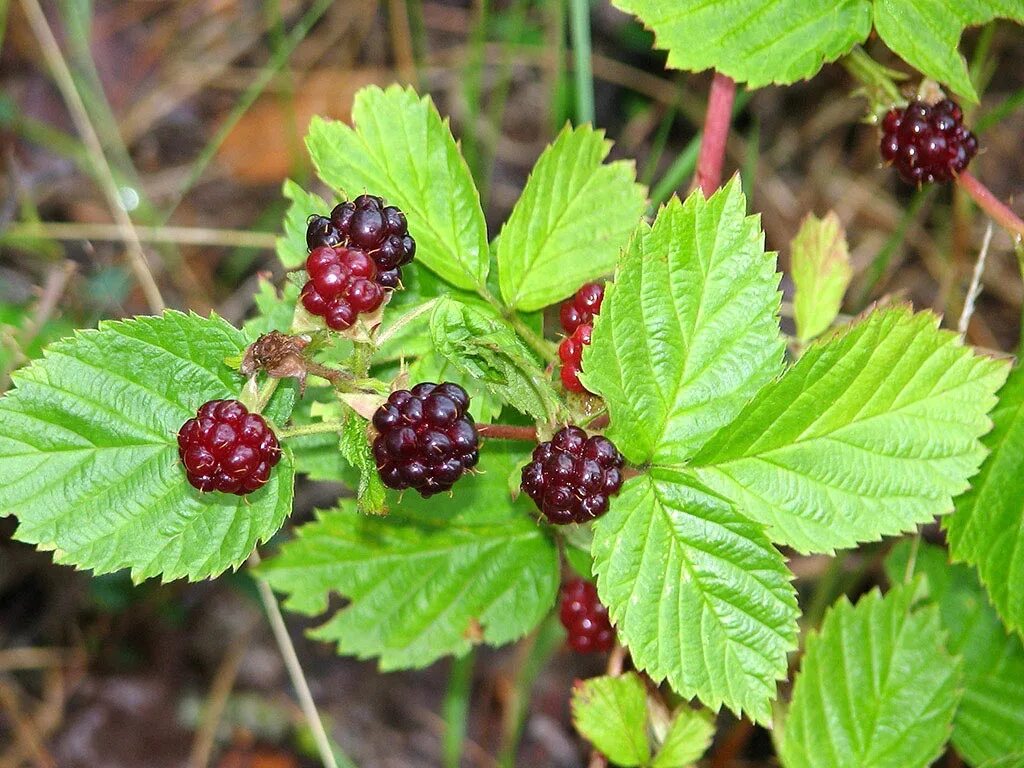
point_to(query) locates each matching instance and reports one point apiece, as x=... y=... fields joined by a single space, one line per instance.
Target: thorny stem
x=507 y=432
x=989 y=203
x=716 y=133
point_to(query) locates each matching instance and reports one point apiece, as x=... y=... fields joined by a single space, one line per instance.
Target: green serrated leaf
x=401 y=149
x=987 y=529
x=355 y=447
x=926 y=33
x=574 y=217
x=697 y=592
x=688 y=332
x=291 y=246
x=876 y=687
x=434 y=577
x=688 y=738
x=870 y=433
x=88 y=451
x=757 y=42
x=989 y=722
x=820 y=266
x=611 y=712
x=486 y=348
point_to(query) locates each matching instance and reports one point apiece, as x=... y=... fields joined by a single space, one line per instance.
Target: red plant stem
x=992 y=205
x=716 y=132
x=507 y=432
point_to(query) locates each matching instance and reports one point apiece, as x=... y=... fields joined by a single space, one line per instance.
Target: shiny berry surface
x=581 y=308
x=342 y=285
x=571 y=477
x=926 y=142
x=225 y=448
x=584 y=618
x=426 y=438
x=570 y=352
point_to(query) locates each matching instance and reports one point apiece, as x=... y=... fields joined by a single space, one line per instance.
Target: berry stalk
x=993 y=206
x=716 y=133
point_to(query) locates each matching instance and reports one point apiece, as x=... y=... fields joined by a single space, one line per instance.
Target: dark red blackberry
x=226 y=448
x=927 y=142
x=570 y=351
x=426 y=438
x=584 y=618
x=342 y=284
x=572 y=476
x=581 y=308
x=378 y=229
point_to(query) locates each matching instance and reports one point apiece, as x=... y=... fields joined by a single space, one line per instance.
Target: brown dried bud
x=279 y=355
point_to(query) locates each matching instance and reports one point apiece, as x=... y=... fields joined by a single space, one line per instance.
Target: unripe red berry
x=927 y=142
x=584 y=617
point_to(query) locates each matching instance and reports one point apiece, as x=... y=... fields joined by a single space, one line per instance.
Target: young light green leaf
x=820 y=264
x=291 y=246
x=434 y=577
x=355 y=447
x=89 y=455
x=876 y=687
x=987 y=529
x=487 y=349
x=401 y=149
x=611 y=712
x=757 y=42
x=274 y=309
x=697 y=592
x=870 y=433
x=925 y=33
x=574 y=217
x=989 y=722
x=688 y=738
x=688 y=332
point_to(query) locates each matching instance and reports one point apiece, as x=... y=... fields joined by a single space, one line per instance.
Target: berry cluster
x=426 y=438
x=342 y=285
x=571 y=477
x=369 y=225
x=584 y=618
x=577 y=316
x=225 y=448
x=927 y=142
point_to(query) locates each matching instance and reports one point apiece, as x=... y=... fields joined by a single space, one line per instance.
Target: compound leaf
x=697 y=592
x=876 y=687
x=688 y=332
x=573 y=218
x=870 y=433
x=88 y=451
x=987 y=529
x=401 y=149
x=820 y=266
x=611 y=712
x=432 y=578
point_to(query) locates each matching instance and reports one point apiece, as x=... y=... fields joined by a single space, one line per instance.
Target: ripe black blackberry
x=342 y=285
x=927 y=142
x=584 y=618
x=426 y=438
x=570 y=352
x=582 y=307
x=369 y=225
x=225 y=448
x=571 y=477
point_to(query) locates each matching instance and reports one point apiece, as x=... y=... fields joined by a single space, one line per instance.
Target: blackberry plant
x=713 y=450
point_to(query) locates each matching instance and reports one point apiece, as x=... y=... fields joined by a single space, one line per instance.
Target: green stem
x=456 y=708
x=526 y=333
x=317 y=428
x=579 y=11
x=256 y=398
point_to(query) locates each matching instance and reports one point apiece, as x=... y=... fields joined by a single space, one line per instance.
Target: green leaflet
x=989 y=722
x=611 y=712
x=573 y=218
x=870 y=433
x=689 y=736
x=987 y=529
x=820 y=266
x=355 y=447
x=696 y=591
x=688 y=332
x=88 y=451
x=402 y=150
x=433 y=578
x=876 y=687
